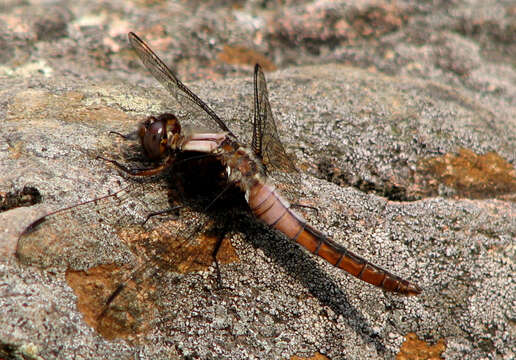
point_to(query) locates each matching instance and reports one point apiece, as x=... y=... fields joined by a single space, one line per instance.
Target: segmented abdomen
x=270 y=207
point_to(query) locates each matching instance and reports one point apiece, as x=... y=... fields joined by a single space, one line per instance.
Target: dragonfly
x=247 y=168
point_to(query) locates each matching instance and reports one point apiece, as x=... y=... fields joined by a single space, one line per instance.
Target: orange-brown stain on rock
x=128 y=315
x=415 y=349
x=470 y=174
x=131 y=312
x=15 y=149
x=240 y=55
x=316 y=356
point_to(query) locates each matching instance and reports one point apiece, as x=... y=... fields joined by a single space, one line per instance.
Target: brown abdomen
x=270 y=207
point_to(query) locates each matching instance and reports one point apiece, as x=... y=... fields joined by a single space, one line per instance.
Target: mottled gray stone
x=402 y=96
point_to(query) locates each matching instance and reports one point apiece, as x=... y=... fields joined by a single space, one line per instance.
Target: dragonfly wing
x=61 y=237
x=266 y=143
x=56 y=238
x=197 y=110
x=100 y=235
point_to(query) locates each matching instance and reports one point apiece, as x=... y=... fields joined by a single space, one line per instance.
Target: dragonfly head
x=154 y=133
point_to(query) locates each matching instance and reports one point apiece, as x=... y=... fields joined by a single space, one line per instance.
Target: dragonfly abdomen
x=267 y=205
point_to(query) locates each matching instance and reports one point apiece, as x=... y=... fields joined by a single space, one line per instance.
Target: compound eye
x=152 y=133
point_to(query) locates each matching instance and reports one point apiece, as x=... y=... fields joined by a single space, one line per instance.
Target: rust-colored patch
x=130 y=312
x=242 y=55
x=316 y=356
x=121 y=303
x=470 y=174
x=226 y=253
x=415 y=349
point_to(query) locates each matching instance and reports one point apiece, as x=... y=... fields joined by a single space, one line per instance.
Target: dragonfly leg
x=219 y=239
x=161 y=212
x=141 y=172
x=110 y=299
x=217 y=268
x=135 y=273
x=131 y=136
x=218 y=196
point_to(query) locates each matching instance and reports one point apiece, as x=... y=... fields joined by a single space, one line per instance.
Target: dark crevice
x=386 y=189
x=464 y=174
x=25 y=197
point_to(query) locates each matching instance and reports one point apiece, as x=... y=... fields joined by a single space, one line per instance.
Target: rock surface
x=403 y=128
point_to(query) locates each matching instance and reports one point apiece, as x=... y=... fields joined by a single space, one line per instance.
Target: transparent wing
x=196 y=109
x=266 y=143
x=61 y=237
x=125 y=261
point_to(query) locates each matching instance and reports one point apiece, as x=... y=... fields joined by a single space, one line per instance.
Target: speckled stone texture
x=400 y=115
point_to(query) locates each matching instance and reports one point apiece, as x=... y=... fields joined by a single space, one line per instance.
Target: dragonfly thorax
x=242 y=166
